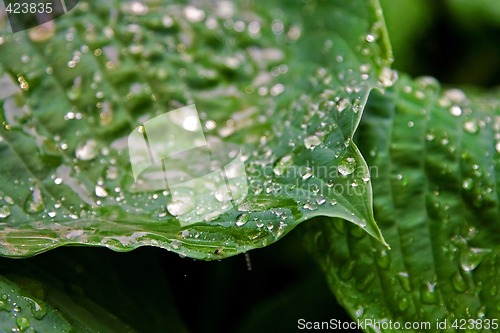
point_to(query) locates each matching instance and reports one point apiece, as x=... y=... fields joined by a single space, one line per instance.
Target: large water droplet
x=428 y=293
x=242 y=219
x=87 y=150
x=34 y=201
x=404 y=280
x=458 y=282
x=347 y=166
x=282 y=165
x=343 y=104
x=222 y=194
x=387 y=77
x=4 y=212
x=347 y=269
x=180 y=206
x=23 y=323
x=365 y=281
x=470 y=258
x=403 y=304
x=311 y=142
x=471 y=126
x=456 y=111
x=38 y=308
x=100 y=191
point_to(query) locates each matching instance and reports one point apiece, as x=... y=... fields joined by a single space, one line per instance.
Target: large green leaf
x=436 y=153
x=287 y=81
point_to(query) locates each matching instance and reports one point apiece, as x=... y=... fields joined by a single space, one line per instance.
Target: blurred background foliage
x=456 y=41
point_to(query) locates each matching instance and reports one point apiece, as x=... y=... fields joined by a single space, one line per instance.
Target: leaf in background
x=287 y=81
x=87 y=290
x=437 y=156
x=27 y=308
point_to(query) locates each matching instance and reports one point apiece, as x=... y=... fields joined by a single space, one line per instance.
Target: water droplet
x=383 y=259
x=100 y=191
x=458 y=282
x=347 y=269
x=4 y=304
x=343 y=104
x=180 y=206
x=467 y=184
x=387 y=77
x=470 y=258
x=87 y=150
x=282 y=165
x=242 y=219
x=471 y=126
x=456 y=111
x=497 y=147
x=428 y=293
x=34 y=201
x=320 y=200
x=176 y=244
x=4 y=212
x=365 y=281
x=23 y=84
x=310 y=206
x=311 y=142
x=23 y=323
x=494 y=290
x=222 y=194
x=8 y=200
x=42 y=32
x=347 y=166
x=306 y=173
x=135 y=8
x=403 y=304
x=404 y=280
x=38 y=308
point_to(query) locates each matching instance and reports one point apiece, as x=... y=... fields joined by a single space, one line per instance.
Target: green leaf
x=31 y=306
x=287 y=82
x=436 y=153
x=88 y=290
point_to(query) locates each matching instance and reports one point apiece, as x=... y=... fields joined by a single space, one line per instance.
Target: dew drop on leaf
x=347 y=166
x=100 y=191
x=34 y=201
x=404 y=280
x=471 y=126
x=347 y=269
x=222 y=194
x=383 y=259
x=456 y=111
x=458 y=282
x=242 y=219
x=428 y=293
x=470 y=258
x=311 y=142
x=343 y=104
x=180 y=206
x=4 y=212
x=23 y=323
x=403 y=304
